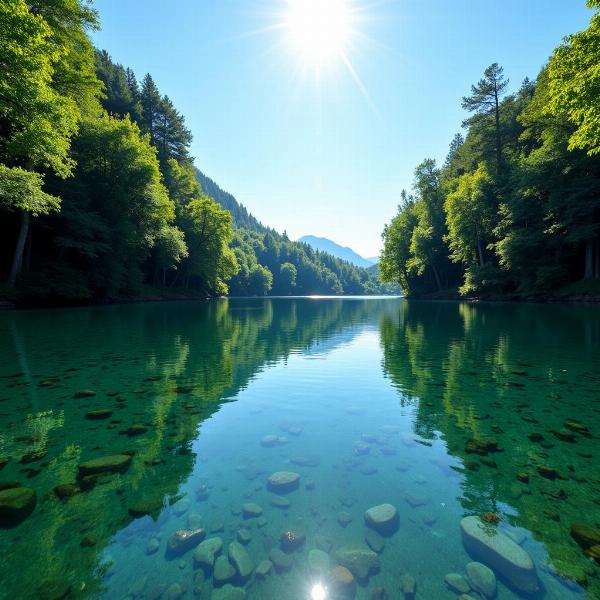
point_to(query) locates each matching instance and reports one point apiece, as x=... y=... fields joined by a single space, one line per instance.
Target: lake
x=365 y=447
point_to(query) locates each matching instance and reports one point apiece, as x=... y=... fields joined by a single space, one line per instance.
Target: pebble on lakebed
x=383 y=518
x=485 y=542
x=16 y=504
x=283 y=482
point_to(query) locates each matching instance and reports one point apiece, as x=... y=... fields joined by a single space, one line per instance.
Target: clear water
x=374 y=401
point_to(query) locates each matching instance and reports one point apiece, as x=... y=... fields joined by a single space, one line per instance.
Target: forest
x=99 y=196
x=514 y=211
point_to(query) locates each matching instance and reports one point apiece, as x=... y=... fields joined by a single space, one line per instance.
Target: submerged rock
x=98 y=415
x=16 y=504
x=152 y=546
x=457 y=583
x=283 y=482
x=115 y=463
x=482 y=579
x=382 y=518
x=359 y=559
x=240 y=559
x=585 y=535
x=342 y=582
x=344 y=518
x=84 y=394
x=184 y=540
x=281 y=560
x=280 y=502
x=223 y=571
x=250 y=510
x=498 y=551
x=263 y=569
x=228 y=592
x=64 y=491
x=408 y=585
x=207 y=551
x=292 y=539
x=374 y=540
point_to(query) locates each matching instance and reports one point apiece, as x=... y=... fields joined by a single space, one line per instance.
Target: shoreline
x=7 y=305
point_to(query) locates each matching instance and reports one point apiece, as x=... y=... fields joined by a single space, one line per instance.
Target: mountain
x=342 y=252
x=241 y=217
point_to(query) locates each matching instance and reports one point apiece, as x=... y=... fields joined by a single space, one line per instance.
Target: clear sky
x=329 y=153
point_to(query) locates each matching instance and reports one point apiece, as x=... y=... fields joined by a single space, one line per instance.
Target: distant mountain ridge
x=341 y=252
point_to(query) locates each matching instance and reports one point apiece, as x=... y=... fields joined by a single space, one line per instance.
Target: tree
x=427 y=247
x=39 y=113
x=260 y=281
x=122 y=180
x=287 y=276
x=208 y=233
x=397 y=253
x=485 y=100
x=151 y=102
x=470 y=212
x=574 y=84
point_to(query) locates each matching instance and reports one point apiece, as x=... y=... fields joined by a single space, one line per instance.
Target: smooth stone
x=359 y=559
x=207 y=551
x=457 y=583
x=263 y=569
x=281 y=561
x=379 y=593
x=150 y=506
x=408 y=586
x=292 y=539
x=240 y=559
x=152 y=546
x=250 y=510
x=16 y=504
x=228 y=592
x=244 y=536
x=585 y=535
x=342 y=582
x=115 y=463
x=344 y=518
x=84 y=394
x=318 y=562
x=280 y=502
x=416 y=500
x=184 y=540
x=98 y=415
x=174 y=592
x=64 y=491
x=283 y=482
x=498 y=551
x=270 y=441
x=223 y=571
x=382 y=518
x=261 y=521
x=482 y=579
x=374 y=540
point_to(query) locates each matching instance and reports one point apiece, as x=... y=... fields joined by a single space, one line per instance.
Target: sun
x=319 y=31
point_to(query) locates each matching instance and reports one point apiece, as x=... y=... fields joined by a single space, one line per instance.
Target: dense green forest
x=515 y=208
x=99 y=196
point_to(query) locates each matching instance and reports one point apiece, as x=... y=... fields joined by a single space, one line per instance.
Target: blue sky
x=318 y=155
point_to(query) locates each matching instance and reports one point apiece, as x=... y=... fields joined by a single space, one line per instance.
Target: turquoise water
x=369 y=401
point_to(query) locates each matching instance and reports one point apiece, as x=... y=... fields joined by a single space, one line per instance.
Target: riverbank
x=582 y=291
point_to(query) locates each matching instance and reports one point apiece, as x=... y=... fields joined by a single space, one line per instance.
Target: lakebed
x=289 y=448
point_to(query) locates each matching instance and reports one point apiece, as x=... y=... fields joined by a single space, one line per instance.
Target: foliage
x=520 y=192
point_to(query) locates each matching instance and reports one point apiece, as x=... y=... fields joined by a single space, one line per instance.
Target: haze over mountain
x=342 y=252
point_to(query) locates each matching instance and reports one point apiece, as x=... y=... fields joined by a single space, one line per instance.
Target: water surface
x=370 y=401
